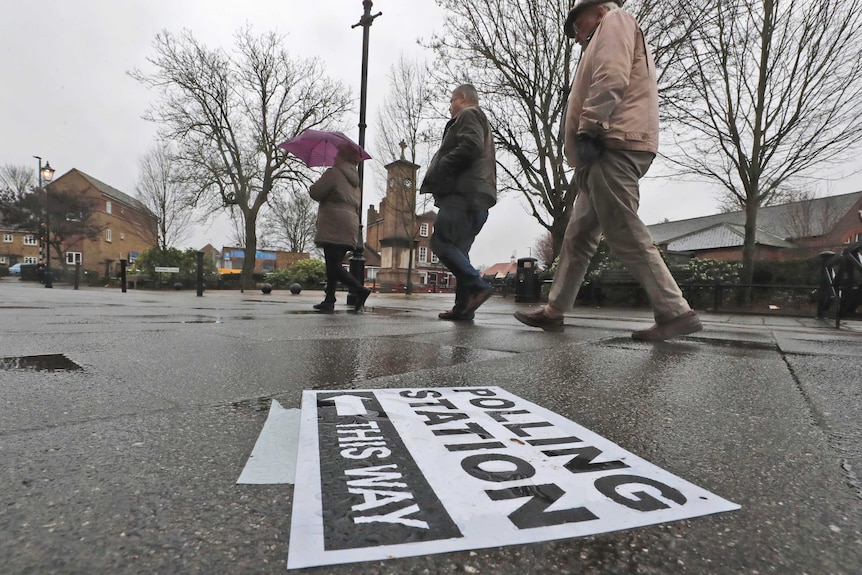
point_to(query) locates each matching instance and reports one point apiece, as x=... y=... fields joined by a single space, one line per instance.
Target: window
x=434 y=258
x=423 y=254
x=108 y=207
x=2 y=259
x=30 y=240
x=73 y=258
x=122 y=236
x=7 y=238
x=30 y=260
x=108 y=236
x=423 y=230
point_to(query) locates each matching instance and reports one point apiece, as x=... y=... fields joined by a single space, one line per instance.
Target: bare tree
x=775 y=94
x=17 y=179
x=515 y=52
x=544 y=249
x=290 y=221
x=406 y=124
x=228 y=112
x=160 y=189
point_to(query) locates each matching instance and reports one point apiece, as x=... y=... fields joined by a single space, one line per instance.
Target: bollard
x=200 y=274
x=123 y=275
x=77 y=273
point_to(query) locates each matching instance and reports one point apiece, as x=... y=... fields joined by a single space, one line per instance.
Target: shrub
x=307 y=273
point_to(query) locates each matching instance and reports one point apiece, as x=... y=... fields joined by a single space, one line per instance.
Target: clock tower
x=398 y=211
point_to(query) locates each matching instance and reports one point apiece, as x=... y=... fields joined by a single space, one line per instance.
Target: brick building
x=122 y=227
x=791 y=231
x=395 y=227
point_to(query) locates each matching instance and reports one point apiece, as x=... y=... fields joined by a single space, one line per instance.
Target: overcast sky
x=66 y=96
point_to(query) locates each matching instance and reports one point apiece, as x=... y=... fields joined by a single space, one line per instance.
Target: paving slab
x=129 y=464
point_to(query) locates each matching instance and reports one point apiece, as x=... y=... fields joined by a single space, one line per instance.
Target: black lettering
x=436 y=417
x=607 y=486
x=582 y=463
x=500 y=416
x=473 y=466
x=420 y=394
x=518 y=428
x=554 y=441
x=440 y=402
x=479 y=392
x=471 y=427
x=532 y=514
x=474 y=446
x=492 y=403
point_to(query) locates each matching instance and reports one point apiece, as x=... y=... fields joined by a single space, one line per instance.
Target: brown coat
x=338 y=193
x=614 y=94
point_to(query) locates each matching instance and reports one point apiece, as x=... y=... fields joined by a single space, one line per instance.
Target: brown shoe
x=455 y=315
x=477 y=299
x=540 y=319
x=682 y=325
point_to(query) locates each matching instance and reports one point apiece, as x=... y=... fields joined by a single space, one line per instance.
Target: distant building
x=393 y=229
x=232 y=258
x=125 y=227
x=792 y=231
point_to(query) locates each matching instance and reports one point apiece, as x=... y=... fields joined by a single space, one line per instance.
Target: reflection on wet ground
x=51 y=362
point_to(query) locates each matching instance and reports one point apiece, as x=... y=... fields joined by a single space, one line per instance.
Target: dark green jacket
x=465 y=165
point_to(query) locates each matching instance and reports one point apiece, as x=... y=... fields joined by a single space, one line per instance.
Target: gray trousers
x=607 y=203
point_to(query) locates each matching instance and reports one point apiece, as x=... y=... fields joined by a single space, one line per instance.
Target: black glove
x=589 y=149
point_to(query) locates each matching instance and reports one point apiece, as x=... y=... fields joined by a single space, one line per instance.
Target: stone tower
x=398 y=211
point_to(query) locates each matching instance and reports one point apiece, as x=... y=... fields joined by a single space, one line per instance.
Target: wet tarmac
x=127 y=419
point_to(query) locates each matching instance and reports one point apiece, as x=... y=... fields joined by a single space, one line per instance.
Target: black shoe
x=325 y=306
x=477 y=298
x=455 y=315
x=361 y=296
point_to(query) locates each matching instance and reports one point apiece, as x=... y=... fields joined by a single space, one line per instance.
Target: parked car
x=15 y=270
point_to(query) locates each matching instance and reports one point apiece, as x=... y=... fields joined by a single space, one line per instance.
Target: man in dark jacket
x=462 y=177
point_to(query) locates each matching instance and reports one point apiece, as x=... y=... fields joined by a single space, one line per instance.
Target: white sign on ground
x=273 y=459
x=401 y=472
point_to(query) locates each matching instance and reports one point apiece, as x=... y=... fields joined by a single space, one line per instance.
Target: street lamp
x=46 y=174
x=357 y=261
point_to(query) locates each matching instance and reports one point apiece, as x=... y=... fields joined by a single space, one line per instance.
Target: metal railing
x=839 y=290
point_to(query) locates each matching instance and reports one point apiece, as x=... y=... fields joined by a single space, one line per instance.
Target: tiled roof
x=722 y=235
x=116 y=194
x=786 y=221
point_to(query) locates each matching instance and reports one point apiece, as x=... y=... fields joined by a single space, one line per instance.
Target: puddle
x=52 y=362
x=347 y=310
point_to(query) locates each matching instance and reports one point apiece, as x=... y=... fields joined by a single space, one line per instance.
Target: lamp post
x=357 y=261
x=46 y=174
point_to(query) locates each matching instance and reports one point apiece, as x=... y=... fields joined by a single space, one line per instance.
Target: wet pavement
x=127 y=419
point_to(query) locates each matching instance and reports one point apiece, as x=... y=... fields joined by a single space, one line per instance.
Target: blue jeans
x=455 y=229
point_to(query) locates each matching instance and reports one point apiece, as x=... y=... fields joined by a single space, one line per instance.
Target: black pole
x=49 y=281
x=123 y=275
x=357 y=260
x=200 y=280
x=77 y=273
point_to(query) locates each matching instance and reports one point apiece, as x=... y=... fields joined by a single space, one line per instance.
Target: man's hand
x=589 y=149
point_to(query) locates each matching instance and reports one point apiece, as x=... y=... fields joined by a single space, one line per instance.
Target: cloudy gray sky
x=66 y=96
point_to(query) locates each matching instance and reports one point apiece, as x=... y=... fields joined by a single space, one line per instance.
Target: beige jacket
x=338 y=192
x=614 y=94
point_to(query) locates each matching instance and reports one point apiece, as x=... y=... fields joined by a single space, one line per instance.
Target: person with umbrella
x=337 y=229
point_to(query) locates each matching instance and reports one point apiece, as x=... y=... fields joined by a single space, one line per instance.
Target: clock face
x=408 y=183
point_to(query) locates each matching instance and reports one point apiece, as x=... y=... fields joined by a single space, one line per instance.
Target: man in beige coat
x=611 y=138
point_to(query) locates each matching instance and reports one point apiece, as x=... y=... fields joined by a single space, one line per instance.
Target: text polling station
x=402 y=472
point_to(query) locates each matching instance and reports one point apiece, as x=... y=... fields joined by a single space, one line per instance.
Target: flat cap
x=569 y=26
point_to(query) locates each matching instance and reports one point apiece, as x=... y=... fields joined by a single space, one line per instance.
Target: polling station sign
x=402 y=472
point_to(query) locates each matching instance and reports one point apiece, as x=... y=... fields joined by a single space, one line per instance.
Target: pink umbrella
x=319 y=148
